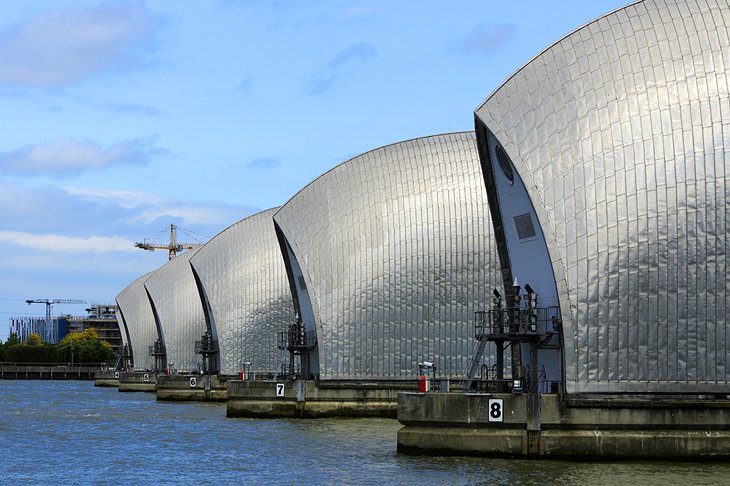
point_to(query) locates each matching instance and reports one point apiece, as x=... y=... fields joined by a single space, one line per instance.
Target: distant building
x=103 y=318
x=23 y=327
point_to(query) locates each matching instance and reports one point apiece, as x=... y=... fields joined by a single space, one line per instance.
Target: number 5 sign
x=496 y=410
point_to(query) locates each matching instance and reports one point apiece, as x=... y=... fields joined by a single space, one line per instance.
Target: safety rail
x=206 y=346
x=516 y=386
x=296 y=339
x=505 y=321
x=157 y=349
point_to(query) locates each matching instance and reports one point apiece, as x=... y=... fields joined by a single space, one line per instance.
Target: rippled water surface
x=66 y=432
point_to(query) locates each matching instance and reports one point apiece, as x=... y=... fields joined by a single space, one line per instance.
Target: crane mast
x=173 y=248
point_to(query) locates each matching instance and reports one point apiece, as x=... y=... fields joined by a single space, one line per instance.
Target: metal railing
x=528 y=320
x=487 y=381
x=206 y=346
x=296 y=340
x=157 y=349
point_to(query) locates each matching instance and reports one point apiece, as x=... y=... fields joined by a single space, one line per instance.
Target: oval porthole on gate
x=505 y=164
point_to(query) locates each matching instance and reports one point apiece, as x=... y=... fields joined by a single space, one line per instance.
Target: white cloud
x=50 y=217
x=50 y=267
x=67 y=157
x=125 y=199
x=66 y=244
x=58 y=47
x=194 y=214
x=147 y=208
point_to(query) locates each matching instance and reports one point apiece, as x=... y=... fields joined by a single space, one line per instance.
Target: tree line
x=75 y=348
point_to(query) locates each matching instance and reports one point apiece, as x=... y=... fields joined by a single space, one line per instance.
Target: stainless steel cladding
x=242 y=278
x=621 y=134
x=139 y=321
x=175 y=300
x=395 y=251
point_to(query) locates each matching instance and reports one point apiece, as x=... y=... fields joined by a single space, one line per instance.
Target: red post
x=422 y=384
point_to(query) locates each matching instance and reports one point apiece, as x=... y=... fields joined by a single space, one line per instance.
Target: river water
x=70 y=432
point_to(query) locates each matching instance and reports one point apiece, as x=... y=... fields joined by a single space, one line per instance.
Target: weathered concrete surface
x=307 y=399
x=109 y=378
x=639 y=427
x=457 y=409
x=462 y=441
x=191 y=388
x=46 y=372
x=137 y=381
x=640 y=444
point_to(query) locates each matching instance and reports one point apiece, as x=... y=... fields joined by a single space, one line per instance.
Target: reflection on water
x=71 y=432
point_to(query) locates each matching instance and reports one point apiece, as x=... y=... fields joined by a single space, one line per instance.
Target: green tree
x=5 y=347
x=13 y=339
x=24 y=353
x=34 y=340
x=85 y=347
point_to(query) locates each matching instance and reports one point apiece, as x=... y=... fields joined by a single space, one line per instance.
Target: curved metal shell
x=176 y=302
x=396 y=251
x=243 y=279
x=139 y=322
x=621 y=134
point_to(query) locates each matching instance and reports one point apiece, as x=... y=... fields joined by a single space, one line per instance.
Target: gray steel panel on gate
x=397 y=251
x=242 y=274
x=175 y=297
x=140 y=322
x=621 y=132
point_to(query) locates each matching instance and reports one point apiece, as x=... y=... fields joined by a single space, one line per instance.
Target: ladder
x=476 y=359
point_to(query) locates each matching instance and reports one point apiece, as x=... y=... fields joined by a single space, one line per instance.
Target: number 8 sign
x=496 y=410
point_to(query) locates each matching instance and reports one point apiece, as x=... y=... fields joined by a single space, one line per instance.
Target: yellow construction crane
x=172 y=248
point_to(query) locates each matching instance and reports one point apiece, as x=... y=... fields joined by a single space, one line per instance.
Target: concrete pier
x=308 y=399
x=46 y=372
x=496 y=425
x=137 y=381
x=108 y=378
x=191 y=388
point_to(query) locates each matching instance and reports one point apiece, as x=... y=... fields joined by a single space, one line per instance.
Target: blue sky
x=122 y=117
